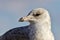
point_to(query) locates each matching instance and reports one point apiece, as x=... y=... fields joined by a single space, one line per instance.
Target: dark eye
x=36 y=14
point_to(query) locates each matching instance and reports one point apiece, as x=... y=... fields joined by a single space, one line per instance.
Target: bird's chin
x=31 y=22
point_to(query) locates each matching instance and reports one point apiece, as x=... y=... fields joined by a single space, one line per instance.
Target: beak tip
x=20 y=20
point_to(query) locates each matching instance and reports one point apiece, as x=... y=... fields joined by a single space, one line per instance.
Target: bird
x=38 y=29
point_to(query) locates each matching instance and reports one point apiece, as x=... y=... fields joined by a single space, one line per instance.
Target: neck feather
x=40 y=31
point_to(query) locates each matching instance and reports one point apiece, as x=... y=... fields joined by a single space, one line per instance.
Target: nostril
x=21 y=19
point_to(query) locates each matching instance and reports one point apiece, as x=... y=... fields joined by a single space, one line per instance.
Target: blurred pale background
x=12 y=10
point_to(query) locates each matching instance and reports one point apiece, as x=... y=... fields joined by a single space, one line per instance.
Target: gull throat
x=41 y=31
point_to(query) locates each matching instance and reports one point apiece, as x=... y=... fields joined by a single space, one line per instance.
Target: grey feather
x=20 y=33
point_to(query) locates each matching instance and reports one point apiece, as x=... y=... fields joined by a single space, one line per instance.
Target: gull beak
x=26 y=19
x=21 y=19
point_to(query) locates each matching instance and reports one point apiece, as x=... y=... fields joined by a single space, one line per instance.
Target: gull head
x=36 y=15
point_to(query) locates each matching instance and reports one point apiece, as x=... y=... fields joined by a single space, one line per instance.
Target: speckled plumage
x=39 y=28
x=20 y=33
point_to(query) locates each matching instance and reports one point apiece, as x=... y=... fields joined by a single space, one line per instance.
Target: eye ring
x=36 y=14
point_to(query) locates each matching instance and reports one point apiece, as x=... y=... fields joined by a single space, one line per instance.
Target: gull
x=38 y=29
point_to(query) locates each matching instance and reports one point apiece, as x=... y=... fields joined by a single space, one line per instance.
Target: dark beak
x=21 y=19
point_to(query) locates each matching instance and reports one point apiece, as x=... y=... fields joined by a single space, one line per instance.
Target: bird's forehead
x=38 y=10
x=29 y=12
x=33 y=12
